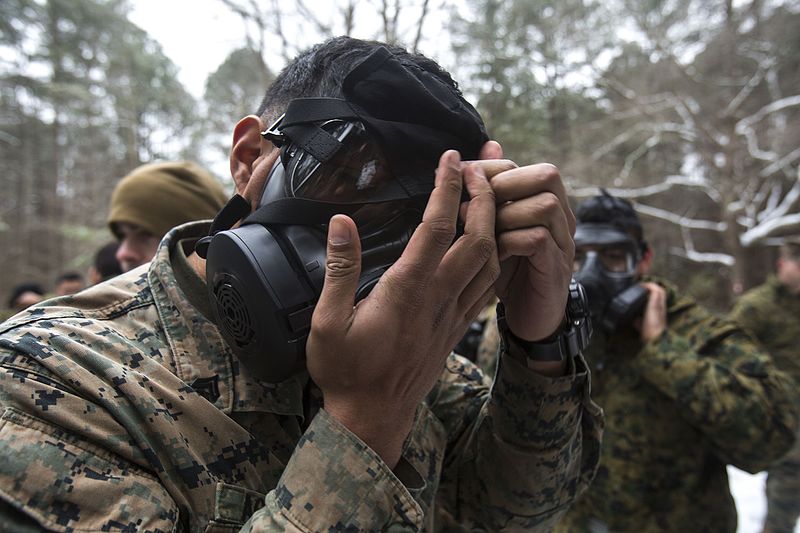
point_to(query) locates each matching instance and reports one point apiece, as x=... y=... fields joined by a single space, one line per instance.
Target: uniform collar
x=201 y=357
x=779 y=288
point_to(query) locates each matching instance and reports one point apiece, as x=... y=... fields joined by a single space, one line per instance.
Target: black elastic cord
x=236 y=209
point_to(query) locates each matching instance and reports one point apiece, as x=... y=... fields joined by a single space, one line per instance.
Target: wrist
x=549 y=354
x=544 y=332
x=384 y=430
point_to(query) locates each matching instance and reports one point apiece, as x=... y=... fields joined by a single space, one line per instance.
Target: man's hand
x=375 y=361
x=654 y=321
x=535 y=226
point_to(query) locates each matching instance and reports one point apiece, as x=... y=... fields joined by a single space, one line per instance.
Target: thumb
x=342 y=269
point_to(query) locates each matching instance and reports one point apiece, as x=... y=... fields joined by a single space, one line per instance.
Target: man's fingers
x=434 y=235
x=491 y=150
x=530 y=241
x=528 y=181
x=657 y=300
x=483 y=283
x=492 y=167
x=477 y=246
x=481 y=211
x=342 y=269
x=540 y=210
x=655 y=314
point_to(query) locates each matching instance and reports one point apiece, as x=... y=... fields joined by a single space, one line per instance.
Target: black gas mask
x=371 y=155
x=606 y=260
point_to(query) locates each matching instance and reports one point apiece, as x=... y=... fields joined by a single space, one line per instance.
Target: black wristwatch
x=569 y=342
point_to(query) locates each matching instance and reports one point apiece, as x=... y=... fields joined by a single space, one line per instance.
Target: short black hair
x=69 y=276
x=105 y=261
x=607 y=209
x=321 y=70
x=21 y=289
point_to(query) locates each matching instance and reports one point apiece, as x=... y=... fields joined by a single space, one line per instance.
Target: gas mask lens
x=353 y=175
x=612 y=260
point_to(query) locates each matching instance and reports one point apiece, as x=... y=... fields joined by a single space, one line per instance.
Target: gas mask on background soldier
x=371 y=155
x=605 y=264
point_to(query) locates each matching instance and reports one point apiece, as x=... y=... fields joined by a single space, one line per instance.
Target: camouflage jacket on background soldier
x=772 y=315
x=679 y=409
x=124 y=409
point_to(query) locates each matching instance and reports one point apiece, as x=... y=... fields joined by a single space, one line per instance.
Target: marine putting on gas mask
x=354 y=155
x=606 y=261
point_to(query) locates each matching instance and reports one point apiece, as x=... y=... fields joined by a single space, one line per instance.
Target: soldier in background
x=684 y=393
x=154 y=198
x=771 y=312
x=105 y=264
x=69 y=283
x=25 y=295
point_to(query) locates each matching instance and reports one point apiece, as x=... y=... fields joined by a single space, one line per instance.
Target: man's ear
x=647 y=261
x=245 y=151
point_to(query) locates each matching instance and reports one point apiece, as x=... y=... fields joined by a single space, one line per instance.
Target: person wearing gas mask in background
x=771 y=313
x=684 y=393
x=299 y=378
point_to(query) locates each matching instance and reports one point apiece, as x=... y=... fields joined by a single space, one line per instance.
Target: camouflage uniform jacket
x=123 y=409
x=678 y=409
x=772 y=315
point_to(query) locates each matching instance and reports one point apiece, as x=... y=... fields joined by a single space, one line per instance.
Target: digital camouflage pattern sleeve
x=771 y=314
x=725 y=384
x=511 y=465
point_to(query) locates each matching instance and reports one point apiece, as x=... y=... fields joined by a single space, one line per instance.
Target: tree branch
x=781 y=163
x=745 y=126
x=768 y=227
x=420 y=23
x=764 y=65
x=651 y=190
x=691 y=254
x=680 y=220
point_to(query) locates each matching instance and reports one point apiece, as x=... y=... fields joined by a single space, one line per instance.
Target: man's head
x=322 y=71
x=25 y=295
x=363 y=125
x=789 y=267
x=610 y=227
x=153 y=199
x=69 y=283
x=611 y=254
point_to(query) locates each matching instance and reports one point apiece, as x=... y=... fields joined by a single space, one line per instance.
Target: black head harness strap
x=300 y=124
x=236 y=209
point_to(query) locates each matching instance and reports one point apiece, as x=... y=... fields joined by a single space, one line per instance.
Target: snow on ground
x=751 y=503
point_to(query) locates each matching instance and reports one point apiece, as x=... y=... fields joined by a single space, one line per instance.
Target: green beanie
x=159 y=196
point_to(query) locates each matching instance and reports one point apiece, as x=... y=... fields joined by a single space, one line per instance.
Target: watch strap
x=550 y=349
x=570 y=341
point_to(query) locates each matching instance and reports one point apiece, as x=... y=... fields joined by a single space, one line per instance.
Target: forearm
x=731 y=392
x=532 y=449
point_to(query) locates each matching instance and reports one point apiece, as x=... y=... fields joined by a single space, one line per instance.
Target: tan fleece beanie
x=159 y=196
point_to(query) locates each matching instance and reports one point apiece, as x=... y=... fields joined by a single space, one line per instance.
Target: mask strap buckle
x=236 y=209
